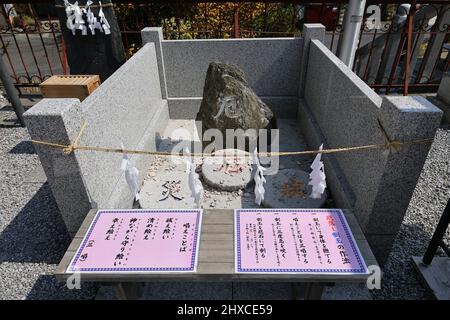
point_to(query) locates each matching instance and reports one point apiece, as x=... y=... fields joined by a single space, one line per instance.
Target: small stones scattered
x=289 y=189
x=228 y=170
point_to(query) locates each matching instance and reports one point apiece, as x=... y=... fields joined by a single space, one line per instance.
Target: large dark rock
x=229 y=103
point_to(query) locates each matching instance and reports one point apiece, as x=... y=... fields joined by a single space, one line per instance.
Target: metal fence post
x=438 y=235
x=11 y=92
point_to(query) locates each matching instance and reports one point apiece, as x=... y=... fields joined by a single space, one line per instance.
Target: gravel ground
x=33 y=237
x=400 y=281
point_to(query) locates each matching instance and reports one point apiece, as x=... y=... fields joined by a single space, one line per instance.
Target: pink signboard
x=140 y=241
x=313 y=241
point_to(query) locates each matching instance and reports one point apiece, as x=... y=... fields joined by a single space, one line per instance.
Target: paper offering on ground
x=307 y=241
x=140 y=241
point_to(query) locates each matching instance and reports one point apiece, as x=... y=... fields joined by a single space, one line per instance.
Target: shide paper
x=317 y=177
x=259 y=179
x=75 y=20
x=131 y=175
x=195 y=185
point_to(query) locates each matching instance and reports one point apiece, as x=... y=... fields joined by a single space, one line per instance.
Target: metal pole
x=438 y=235
x=352 y=27
x=409 y=25
x=236 y=19
x=11 y=92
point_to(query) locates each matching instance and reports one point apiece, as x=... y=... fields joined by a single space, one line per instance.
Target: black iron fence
x=32 y=45
x=408 y=50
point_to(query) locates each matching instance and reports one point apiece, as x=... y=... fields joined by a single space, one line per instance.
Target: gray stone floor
x=33 y=238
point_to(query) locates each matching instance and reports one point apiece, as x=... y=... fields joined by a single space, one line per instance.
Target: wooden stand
x=73 y=86
x=216 y=262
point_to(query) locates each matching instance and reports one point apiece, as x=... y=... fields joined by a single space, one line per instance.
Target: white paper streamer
x=76 y=22
x=75 y=18
x=317 y=177
x=91 y=19
x=195 y=185
x=103 y=22
x=131 y=174
x=70 y=13
x=259 y=179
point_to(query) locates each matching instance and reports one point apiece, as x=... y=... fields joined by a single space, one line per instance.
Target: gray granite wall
x=127 y=108
x=340 y=110
x=271 y=66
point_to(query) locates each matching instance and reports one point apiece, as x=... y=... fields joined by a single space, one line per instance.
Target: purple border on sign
x=97 y=216
x=362 y=266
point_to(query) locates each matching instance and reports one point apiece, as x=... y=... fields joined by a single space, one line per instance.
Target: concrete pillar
x=59 y=121
x=93 y=54
x=444 y=88
x=404 y=119
x=155 y=35
x=311 y=31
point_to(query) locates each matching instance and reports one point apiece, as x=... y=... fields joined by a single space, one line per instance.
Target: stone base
x=229 y=173
x=441 y=104
x=436 y=275
x=289 y=189
x=151 y=194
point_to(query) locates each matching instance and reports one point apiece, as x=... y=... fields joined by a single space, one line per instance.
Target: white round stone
x=229 y=169
x=289 y=189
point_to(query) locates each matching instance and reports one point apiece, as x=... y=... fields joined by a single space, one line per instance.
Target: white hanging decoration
x=75 y=17
x=79 y=21
x=131 y=174
x=195 y=185
x=103 y=22
x=91 y=19
x=259 y=179
x=317 y=178
x=70 y=13
x=76 y=22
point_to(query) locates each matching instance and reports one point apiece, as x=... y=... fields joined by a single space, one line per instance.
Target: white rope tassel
x=195 y=185
x=259 y=179
x=317 y=178
x=131 y=174
x=103 y=22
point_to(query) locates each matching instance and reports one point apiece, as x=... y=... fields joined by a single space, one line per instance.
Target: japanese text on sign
x=140 y=241
x=295 y=241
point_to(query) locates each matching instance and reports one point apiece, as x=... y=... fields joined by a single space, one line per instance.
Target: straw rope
x=68 y=149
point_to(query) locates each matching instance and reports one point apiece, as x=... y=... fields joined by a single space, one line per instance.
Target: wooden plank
x=216 y=256
x=354 y=225
x=218 y=228
x=436 y=275
x=366 y=252
x=215 y=236
x=215 y=267
x=219 y=216
x=76 y=241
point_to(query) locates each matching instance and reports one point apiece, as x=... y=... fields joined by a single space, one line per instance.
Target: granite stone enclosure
x=127 y=108
x=299 y=78
x=271 y=66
